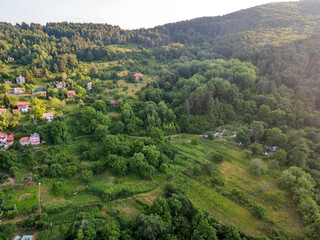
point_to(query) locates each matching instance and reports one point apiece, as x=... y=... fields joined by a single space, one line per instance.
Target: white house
x=48 y=116
x=20 y=79
x=23 y=106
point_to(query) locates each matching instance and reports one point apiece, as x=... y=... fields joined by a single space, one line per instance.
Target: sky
x=128 y=14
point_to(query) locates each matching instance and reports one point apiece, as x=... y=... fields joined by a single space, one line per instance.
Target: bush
x=257 y=167
x=197 y=170
x=239 y=197
x=195 y=141
x=259 y=211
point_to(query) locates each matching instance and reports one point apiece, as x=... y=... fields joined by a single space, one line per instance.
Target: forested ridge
x=218 y=137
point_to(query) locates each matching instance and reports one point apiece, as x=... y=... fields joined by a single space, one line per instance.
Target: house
x=138 y=76
x=23 y=106
x=24 y=141
x=71 y=94
x=59 y=85
x=27 y=237
x=16 y=91
x=3 y=110
x=8 y=82
x=35 y=139
x=6 y=140
x=89 y=86
x=116 y=102
x=42 y=93
x=15 y=111
x=10 y=59
x=48 y=116
x=40 y=89
x=20 y=79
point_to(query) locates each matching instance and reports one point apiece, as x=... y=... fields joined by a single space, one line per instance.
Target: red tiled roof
x=20 y=104
x=138 y=74
x=3 y=134
x=15 y=111
x=3 y=110
x=71 y=92
x=10 y=138
x=24 y=139
x=45 y=115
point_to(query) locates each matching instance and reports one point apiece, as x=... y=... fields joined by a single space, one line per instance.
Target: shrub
x=257 y=167
x=195 y=141
x=259 y=211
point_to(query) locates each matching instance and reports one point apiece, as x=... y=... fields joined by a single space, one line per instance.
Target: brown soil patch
x=24 y=195
x=10 y=181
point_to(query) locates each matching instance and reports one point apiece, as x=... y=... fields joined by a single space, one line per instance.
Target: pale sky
x=128 y=14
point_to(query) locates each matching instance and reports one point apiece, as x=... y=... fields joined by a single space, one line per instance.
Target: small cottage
x=15 y=111
x=8 y=82
x=89 y=86
x=48 y=116
x=71 y=94
x=23 y=106
x=138 y=76
x=24 y=141
x=10 y=59
x=59 y=85
x=3 y=110
x=42 y=93
x=21 y=79
x=35 y=139
x=16 y=91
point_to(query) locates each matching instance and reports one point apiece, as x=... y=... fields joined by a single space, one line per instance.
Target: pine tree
x=7 y=101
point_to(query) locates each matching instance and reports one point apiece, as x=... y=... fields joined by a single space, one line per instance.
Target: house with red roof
x=48 y=116
x=6 y=140
x=3 y=110
x=20 y=79
x=24 y=141
x=59 y=85
x=89 y=86
x=138 y=76
x=42 y=93
x=15 y=111
x=23 y=106
x=71 y=94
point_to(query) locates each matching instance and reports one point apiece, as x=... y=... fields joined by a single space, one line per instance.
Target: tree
x=7 y=101
x=110 y=144
x=58 y=132
x=150 y=226
x=274 y=137
x=257 y=167
x=110 y=231
x=280 y=156
x=257 y=130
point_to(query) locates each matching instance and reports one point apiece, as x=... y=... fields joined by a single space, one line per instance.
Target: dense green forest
x=219 y=139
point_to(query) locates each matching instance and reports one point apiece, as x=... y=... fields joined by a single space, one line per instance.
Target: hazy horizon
x=124 y=13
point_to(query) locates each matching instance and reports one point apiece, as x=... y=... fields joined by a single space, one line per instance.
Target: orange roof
x=24 y=139
x=3 y=110
x=10 y=138
x=71 y=92
x=20 y=104
x=15 y=111
x=138 y=74
x=3 y=134
x=47 y=114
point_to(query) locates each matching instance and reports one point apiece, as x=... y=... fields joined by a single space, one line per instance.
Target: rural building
x=40 y=89
x=16 y=91
x=48 y=116
x=8 y=82
x=6 y=140
x=59 y=85
x=42 y=93
x=20 y=79
x=3 y=110
x=89 y=86
x=24 y=141
x=25 y=237
x=23 y=106
x=35 y=139
x=71 y=94
x=14 y=111
x=10 y=59
x=138 y=76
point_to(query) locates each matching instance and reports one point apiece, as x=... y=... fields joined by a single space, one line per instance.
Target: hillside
x=201 y=129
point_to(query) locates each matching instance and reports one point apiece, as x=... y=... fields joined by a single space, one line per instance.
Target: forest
x=200 y=129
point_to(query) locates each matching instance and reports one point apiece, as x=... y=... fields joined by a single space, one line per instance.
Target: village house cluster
x=6 y=140
x=34 y=139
